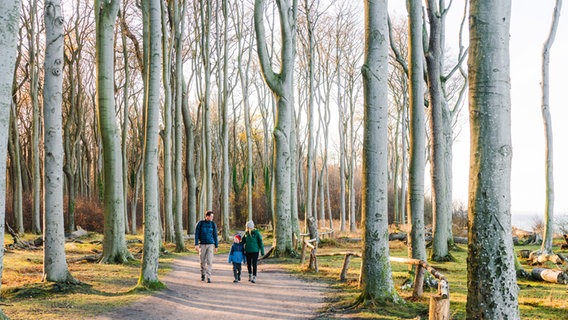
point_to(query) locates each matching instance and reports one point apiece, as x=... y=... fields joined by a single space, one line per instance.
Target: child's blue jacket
x=237 y=253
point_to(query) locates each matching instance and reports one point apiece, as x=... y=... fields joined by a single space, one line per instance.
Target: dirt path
x=276 y=295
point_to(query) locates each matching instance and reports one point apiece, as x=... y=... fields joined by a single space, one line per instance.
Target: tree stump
x=439 y=308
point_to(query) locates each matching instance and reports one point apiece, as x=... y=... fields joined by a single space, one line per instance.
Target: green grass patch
x=537 y=300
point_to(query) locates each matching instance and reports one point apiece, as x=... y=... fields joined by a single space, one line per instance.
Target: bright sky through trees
x=529 y=27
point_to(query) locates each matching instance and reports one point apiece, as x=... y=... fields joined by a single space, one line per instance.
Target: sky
x=530 y=26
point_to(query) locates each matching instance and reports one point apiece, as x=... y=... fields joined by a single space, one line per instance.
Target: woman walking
x=252 y=241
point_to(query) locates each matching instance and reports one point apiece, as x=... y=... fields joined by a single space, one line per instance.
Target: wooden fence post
x=418 y=282
x=346 y=262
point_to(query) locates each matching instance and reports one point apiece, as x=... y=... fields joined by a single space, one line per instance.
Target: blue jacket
x=237 y=253
x=206 y=233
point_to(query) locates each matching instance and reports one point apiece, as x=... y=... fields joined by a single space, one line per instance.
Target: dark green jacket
x=253 y=241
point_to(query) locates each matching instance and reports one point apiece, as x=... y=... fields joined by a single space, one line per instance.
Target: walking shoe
x=208 y=280
x=202 y=277
x=253 y=279
x=235 y=281
x=250 y=277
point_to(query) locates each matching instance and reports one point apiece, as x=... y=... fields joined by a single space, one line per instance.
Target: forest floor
x=276 y=295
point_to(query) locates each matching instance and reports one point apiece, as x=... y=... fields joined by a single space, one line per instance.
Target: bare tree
x=492 y=283
x=152 y=239
x=54 y=263
x=114 y=244
x=281 y=86
x=547 y=119
x=417 y=131
x=376 y=281
x=9 y=22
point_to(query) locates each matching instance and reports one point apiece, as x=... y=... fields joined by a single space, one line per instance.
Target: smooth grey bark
x=36 y=125
x=189 y=165
x=55 y=267
x=434 y=61
x=152 y=236
x=547 y=119
x=281 y=86
x=243 y=74
x=14 y=149
x=342 y=132
x=375 y=281
x=417 y=248
x=206 y=197
x=225 y=172
x=179 y=27
x=125 y=120
x=310 y=113
x=114 y=243
x=492 y=283
x=167 y=44
x=9 y=23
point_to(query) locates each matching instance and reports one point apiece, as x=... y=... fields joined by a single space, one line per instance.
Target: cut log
x=400 y=236
x=439 y=308
x=548 y=275
x=80 y=232
x=92 y=258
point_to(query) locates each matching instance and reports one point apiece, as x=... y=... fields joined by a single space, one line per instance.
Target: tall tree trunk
x=179 y=25
x=376 y=278
x=125 y=120
x=342 y=142
x=152 y=239
x=206 y=145
x=14 y=147
x=54 y=264
x=226 y=173
x=417 y=128
x=243 y=73
x=547 y=119
x=434 y=59
x=36 y=125
x=9 y=23
x=114 y=243
x=492 y=283
x=189 y=165
x=281 y=86
x=167 y=132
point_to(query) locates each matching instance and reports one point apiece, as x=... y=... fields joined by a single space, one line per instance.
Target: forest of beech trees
x=128 y=116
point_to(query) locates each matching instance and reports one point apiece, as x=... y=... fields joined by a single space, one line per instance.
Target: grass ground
x=105 y=287
x=537 y=300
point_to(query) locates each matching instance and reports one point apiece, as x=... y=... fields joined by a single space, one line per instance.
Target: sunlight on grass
x=537 y=300
x=104 y=286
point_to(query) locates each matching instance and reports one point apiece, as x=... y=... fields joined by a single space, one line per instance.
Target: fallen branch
x=91 y=258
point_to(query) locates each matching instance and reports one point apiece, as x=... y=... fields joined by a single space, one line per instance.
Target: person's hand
x=216 y=250
x=197 y=248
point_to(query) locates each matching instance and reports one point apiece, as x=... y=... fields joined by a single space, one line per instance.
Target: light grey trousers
x=206 y=256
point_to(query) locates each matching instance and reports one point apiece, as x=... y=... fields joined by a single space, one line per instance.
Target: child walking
x=236 y=256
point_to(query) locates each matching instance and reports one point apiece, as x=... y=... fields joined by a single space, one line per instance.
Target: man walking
x=206 y=244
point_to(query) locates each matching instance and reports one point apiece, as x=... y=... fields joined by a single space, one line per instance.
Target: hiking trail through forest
x=276 y=295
